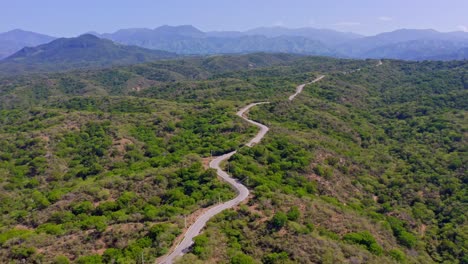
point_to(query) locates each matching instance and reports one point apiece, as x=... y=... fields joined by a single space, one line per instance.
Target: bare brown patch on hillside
x=206 y=162
x=121 y=143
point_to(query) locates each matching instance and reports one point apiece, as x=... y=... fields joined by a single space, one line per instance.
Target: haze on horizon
x=367 y=17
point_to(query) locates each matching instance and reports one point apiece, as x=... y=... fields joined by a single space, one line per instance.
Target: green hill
x=103 y=166
x=85 y=51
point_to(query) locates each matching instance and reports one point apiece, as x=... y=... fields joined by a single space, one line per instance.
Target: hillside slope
x=85 y=51
x=364 y=166
x=14 y=40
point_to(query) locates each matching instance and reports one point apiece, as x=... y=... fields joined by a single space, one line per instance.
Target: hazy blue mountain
x=83 y=51
x=461 y=54
x=405 y=44
x=326 y=36
x=409 y=44
x=145 y=36
x=225 y=34
x=189 y=40
x=16 y=39
x=417 y=50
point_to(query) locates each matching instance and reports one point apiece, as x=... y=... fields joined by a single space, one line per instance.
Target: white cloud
x=347 y=24
x=463 y=28
x=385 y=18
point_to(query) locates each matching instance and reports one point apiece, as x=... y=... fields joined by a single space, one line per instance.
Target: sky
x=368 y=17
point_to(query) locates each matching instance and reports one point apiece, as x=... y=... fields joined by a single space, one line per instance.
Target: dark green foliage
x=279 y=220
x=397 y=255
x=275 y=258
x=199 y=246
x=366 y=239
x=92 y=259
x=294 y=213
x=404 y=237
x=21 y=252
x=241 y=258
x=382 y=149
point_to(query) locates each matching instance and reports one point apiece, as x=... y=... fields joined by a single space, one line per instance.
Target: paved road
x=301 y=87
x=263 y=129
x=242 y=191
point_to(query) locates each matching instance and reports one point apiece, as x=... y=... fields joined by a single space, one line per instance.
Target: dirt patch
x=23 y=227
x=72 y=126
x=206 y=162
x=44 y=137
x=121 y=143
x=422 y=229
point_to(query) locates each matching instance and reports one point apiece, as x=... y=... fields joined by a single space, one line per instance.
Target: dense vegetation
x=363 y=167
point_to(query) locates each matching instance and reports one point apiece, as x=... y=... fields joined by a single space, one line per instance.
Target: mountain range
x=406 y=44
x=14 y=40
x=85 y=51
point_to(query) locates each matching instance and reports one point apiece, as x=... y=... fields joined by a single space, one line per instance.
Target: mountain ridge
x=86 y=51
x=13 y=40
x=406 y=44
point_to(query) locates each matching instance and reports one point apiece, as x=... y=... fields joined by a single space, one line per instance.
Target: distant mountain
x=461 y=54
x=190 y=40
x=16 y=39
x=408 y=44
x=84 y=51
x=326 y=36
x=418 y=50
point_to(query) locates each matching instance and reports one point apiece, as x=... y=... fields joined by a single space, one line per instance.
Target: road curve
x=242 y=191
x=301 y=87
x=263 y=129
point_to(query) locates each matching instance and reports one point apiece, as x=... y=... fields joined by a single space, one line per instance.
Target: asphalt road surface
x=242 y=192
x=301 y=87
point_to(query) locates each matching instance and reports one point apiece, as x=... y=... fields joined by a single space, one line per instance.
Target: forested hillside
x=365 y=166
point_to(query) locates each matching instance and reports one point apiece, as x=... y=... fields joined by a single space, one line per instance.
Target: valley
x=104 y=165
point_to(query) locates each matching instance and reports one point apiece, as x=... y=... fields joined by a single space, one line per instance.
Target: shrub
x=241 y=258
x=366 y=239
x=279 y=220
x=51 y=229
x=85 y=207
x=21 y=252
x=294 y=213
x=397 y=255
x=407 y=239
x=199 y=245
x=274 y=258
x=61 y=260
x=92 y=259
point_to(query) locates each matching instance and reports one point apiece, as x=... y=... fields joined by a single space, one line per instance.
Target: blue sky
x=73 y=17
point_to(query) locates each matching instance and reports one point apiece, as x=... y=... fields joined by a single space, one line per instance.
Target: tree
x=241 y=258
x=294 y=213
x=279 y=220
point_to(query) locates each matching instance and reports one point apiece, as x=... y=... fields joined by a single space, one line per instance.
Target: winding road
x=242 y=191
x=301 y=87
